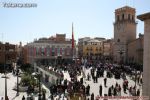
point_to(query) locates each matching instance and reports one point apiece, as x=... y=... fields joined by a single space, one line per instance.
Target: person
x=23 y=98
x=96 y=79
x=138 y=92
x=109 y=92
x=115 y=92
x=92 y=96
x=100 y=90
x=105 y=81
x=88 y=90
x=2 y=98
x=88 y=77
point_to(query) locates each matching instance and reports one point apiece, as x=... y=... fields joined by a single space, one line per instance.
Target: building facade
x=135 y=50
x=8 y=53
x=93 y=49
x=81 y=43
x=124 y=32
x=48 y=50
x=108 y=49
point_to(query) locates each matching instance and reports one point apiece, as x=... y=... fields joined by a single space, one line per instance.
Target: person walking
x=92 y=96
x=23 y=98
x=100 y=90
x=138 y=92
x=105 y=81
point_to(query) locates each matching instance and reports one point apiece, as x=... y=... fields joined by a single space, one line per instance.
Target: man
x=23 y=98
x=92 y=96
x=100 y=90
x=88 y=90
x=105 y=81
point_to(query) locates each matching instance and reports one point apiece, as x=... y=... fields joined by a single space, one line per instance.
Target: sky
x=91 y=18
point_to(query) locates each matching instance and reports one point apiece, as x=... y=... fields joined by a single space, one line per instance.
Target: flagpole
x=72 y=42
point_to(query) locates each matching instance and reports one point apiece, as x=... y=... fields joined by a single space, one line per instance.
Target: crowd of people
x=77 y=84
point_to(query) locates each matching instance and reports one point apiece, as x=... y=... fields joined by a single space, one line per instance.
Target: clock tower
x=124 y=32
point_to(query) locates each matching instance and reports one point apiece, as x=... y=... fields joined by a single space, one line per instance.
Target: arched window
x=132 y=17
x=118 y=40
x=128 y=16
x=117 y=17
x=122 y=16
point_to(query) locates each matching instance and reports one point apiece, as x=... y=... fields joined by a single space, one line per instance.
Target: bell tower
x=124 y=32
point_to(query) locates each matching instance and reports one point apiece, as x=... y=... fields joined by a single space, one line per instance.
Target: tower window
x=132 y=17
x=117 y=17
x=128 y=16
x=122 y=16
x=118 y=40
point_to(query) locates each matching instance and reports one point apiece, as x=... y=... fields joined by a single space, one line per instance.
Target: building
x=135 y=50
x=146 y=82
x=108 y=49
x=81 y=43
x=8 y=53
x=51 y=50
x=124 y=32
x=93 y=49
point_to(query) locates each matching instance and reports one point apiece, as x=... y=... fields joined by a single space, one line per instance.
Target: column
x=146 y=59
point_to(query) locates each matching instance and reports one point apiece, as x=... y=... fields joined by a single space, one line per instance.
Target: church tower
x=124 y=32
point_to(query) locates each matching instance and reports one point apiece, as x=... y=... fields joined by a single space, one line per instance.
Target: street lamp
x=17 y=81
x=6 y=77
x=38 y=75
x=135 y=80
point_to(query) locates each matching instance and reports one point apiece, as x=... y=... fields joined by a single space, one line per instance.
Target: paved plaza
x=94 y=87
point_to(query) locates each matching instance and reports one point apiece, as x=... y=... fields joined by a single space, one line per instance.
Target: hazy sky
x=92 y=18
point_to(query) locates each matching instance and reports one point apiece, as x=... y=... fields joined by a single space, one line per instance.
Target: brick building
x=8 y=53
x=135 y=50
x=49 y=50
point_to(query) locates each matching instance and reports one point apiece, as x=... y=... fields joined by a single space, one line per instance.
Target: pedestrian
x=88 y=77
x=23 y=98
x=96 y=79
x=109 y=92
x=100 y=90
x=105 y=81
x=92 y=96
x=119 y=90
x=88 y=90
x=115 y=92
x=138 y=92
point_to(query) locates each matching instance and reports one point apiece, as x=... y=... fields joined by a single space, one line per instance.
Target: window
x=53 y=51
x=128 y=16
x=118 y=40
x=117 y=17
x=132 y=17
x=122 y=16
x=87 y=48
x=100 y=49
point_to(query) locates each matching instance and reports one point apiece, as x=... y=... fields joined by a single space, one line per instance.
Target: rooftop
x=144 y=16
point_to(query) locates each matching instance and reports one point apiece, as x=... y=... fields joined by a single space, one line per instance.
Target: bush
x=28 y=80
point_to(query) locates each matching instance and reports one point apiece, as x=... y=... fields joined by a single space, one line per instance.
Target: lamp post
x=135 y=80
x=17 y=82
x=5 y=76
